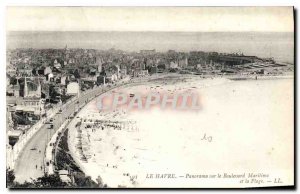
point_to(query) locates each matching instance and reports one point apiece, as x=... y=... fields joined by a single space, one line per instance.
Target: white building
x=56 y=64
x=173 y=65
x=47 y=70
x=73 y=88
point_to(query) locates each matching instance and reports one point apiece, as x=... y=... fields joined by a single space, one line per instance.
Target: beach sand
x=243 y=127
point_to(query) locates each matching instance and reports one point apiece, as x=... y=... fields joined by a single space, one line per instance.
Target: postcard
x=150 y=97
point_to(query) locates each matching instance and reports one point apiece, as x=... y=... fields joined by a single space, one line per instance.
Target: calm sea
x=279 y=45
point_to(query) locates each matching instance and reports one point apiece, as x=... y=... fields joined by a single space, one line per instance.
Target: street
x=30 y=163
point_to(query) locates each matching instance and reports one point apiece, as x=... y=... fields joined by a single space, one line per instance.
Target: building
x=123 y=73
x=63 y=80
x=173 y=65
x=31 y=102
x=111 y=77
x=143 y=73
x=47 y=70
x=64 y=176
x=153 y=70
x=24 y=72
x=73 y=88
x=99 y=64
x=148 y=52
x=101 y=79
x=238 y=59
x=13 y=90
x=140 y=73
x=183 y=63
x=56 y=64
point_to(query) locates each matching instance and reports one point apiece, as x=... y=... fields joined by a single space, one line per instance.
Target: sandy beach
x=239 y=123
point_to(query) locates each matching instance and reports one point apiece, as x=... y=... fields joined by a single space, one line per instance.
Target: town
x=38 y=79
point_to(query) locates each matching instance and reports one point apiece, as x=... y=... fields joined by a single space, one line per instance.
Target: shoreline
x=260 y=77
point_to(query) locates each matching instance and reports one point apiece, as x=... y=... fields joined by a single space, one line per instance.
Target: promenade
x=30 y=161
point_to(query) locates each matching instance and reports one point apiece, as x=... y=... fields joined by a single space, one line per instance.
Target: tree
x=49 y=181
x=76 y=74
x=82 y=181
x=54 y=181
x=34 y=71
x=13 y=80
x=21 y=119
x=26 y=184
x=10 y=177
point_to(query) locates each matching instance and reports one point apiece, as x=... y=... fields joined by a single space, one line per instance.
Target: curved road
x=30 y=163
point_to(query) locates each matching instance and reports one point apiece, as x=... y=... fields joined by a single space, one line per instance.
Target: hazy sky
x=272 y=19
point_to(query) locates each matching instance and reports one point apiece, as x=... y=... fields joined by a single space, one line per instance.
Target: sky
x=185 y=19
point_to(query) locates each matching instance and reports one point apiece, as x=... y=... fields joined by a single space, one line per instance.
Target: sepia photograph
x=150 y=97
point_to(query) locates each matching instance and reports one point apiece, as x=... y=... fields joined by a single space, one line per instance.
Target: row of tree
x=52 y=181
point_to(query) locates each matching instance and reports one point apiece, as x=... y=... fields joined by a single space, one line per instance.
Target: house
x=153 y=70
x=101 y=79
x=183 y=62
x=64 y=176
x=63 y=80
x=73 y=88
x=13 y=136
x=24 y=72
x=47 y=70
x=140 y=73
x=50 y=77
x=111 y=77
x=56 y=64
x=262 y=71
x=123 y=73
x=92 y=71
x=173 y=65
x=13 y=90
x=148 y=52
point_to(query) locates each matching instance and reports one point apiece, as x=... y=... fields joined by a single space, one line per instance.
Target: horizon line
x=144 y=31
